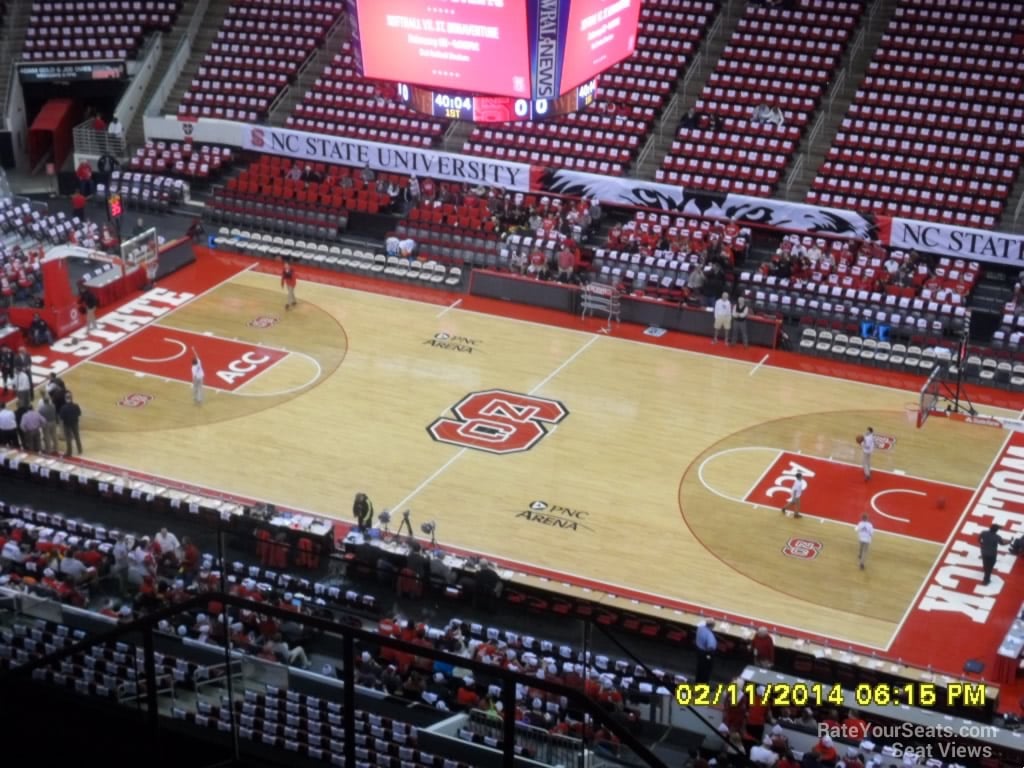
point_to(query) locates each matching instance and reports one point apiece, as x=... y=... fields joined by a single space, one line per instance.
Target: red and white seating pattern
x=841 y=288
x=935 y=130
x=637 y=260
x=259 y=49
x=781 y=57
x=107 y=29
x=344 y=103
x=190 y=161
x=606 y=138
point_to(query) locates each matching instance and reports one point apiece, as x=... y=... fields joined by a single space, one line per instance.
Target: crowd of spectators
x=864 y=265
x=449 y=687
x=713 y=249
x=318 y=182
x=148 y=573
x=753 y=730
x=21 y=279
x=556 y=228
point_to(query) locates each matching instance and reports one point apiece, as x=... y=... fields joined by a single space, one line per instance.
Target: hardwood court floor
x=650 y=482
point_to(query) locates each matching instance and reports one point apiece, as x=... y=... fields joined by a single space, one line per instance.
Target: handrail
x=837 y=85
x=128 y=106
x=6 y=54
x=669 y=116
x=314 y=60
x=90 y=141
x=13 y=73
x=182 y=53
x=147 y=626
x=795 y=172
x=812 y=137
x=858 y=40
x=696 y=64
x=645 y=152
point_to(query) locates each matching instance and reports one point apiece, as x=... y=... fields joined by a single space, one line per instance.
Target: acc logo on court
x=802 y=549
x=498 y=421
x=134 y=400
x=263 y=321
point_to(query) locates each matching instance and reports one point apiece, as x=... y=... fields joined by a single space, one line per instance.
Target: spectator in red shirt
x=566 y=265
x=853 y=724
x=78 y=203
x=757 y=714
x=84 y=173
x=98 y=123
x=190 y=559
x=825 y=751
x=763 y=648
x=92 y=558
x=538 y=265
x=467 y=695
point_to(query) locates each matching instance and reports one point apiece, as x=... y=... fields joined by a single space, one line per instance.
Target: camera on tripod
x=406 y=524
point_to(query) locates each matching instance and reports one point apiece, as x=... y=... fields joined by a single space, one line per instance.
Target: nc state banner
x=385 y=157
x=955 y=242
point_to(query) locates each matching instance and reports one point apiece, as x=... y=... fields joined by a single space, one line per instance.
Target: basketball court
x=641 y=471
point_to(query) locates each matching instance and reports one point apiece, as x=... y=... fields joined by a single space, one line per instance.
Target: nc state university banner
x=385 y=157
x=955 y=242
x=753 y=210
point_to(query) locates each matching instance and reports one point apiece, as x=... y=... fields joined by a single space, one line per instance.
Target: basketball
x=860 y=439
x=941 y=502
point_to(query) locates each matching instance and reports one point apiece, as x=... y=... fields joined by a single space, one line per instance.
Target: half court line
x=449 y=308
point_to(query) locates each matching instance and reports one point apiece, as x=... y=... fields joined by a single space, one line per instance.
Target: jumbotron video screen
x=521 y=49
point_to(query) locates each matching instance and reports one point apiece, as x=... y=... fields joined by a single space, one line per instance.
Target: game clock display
x=494 y=109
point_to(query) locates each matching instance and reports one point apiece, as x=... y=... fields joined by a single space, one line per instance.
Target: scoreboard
x=494 y=109
x=530 y=52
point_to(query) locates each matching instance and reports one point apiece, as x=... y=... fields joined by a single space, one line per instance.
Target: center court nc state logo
x=802 y=549
x=134 y=400
x=498 y=421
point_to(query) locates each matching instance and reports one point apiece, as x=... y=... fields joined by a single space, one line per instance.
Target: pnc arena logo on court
x=498 y=421
x=443 y=340
x=555 y=516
